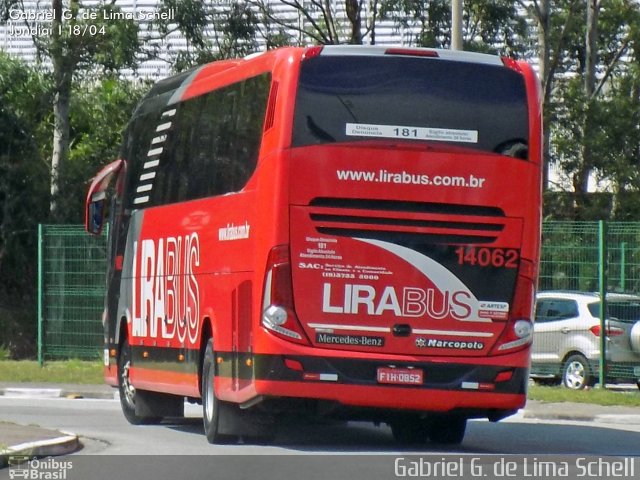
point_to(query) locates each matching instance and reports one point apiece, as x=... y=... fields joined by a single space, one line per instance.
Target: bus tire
x=447 y=429
x=211 y=406
x=409 y=430
x=128 y=393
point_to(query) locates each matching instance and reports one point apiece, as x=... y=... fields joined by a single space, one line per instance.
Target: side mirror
x=96 y=215
x=96 y=197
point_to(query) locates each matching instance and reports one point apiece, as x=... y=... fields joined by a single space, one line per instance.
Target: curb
x=30 y=392
x=574 y=417
x=64 y=445
x=620 y=419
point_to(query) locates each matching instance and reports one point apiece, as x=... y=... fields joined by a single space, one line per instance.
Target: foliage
x=594 y=118
x=99 y=113
x=490 y=27
x=82 y=40
x=214 y=33
x=24 y=117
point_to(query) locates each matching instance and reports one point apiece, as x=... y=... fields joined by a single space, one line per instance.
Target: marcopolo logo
x=454 y=344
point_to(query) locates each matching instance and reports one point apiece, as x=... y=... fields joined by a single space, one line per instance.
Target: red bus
x=345 y=231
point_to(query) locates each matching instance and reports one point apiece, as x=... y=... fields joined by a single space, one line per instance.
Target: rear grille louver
x=408 y=221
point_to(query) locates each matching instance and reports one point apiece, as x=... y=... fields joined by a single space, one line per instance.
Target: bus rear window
x=355 y=98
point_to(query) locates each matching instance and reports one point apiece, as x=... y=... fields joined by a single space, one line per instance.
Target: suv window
x=628 y=311
x=553 y=309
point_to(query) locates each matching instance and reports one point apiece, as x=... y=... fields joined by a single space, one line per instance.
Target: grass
x=63 y=371
x=598 y=396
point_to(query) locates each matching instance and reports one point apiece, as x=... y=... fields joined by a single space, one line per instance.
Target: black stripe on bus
x=247 y=366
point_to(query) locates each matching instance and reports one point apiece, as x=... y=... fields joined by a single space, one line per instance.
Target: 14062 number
x=488 y=257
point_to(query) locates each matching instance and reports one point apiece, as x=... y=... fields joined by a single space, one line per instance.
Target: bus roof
x=375 y=50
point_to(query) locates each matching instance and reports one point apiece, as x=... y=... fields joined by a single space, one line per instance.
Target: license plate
x=400 y=376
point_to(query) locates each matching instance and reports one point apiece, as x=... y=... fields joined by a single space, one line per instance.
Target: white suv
x=566 y=340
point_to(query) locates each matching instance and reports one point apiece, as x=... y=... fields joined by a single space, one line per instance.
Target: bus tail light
x=278 y=312
x=312 y=52
x=518 y=332
x=413 y=52
x=511 y=63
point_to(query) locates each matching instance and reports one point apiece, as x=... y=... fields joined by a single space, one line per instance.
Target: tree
x=214 y=31
x=24 y=109
x=99 y=112
x=488 y=26
x=80 y=39
x=324 y=21
x=554 y=20
x=600 y=75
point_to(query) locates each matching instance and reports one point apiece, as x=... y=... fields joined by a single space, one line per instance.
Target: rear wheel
x=211 y=406
x=634 y=338
x=128 y=393
x=447 y=429
x=577 y=373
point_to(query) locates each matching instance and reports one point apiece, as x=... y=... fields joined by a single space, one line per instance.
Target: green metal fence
x=71 y=285
x=602 y=257
x=570 y=252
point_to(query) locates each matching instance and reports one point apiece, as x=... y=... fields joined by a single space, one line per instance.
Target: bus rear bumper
x=477 y=404
x=421 y=386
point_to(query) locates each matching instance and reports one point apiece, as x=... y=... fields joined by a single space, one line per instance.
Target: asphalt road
x=114 y=449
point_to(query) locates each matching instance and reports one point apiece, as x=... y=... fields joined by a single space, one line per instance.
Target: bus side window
x=213 y=144
x=514 y=148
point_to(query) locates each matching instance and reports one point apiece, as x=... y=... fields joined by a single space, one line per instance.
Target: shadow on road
x=506 y=438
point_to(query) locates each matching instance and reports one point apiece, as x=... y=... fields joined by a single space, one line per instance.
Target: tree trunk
x=581 y=177
x=62 y=74
x=354 y=14
x=544 y=59
x=60 y=135
x=591 y=53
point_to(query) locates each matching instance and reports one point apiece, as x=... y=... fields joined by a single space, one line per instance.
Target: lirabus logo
x=358 y=299
x=166 y=295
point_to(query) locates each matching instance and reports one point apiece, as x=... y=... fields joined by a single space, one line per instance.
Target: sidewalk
x=33 y=440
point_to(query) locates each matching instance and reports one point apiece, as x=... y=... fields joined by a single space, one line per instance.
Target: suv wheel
x=577 y=374
x=634 y=338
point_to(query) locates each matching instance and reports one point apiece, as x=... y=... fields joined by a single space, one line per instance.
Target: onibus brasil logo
x=28 y=468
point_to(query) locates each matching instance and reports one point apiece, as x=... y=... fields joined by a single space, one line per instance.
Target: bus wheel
x=211 y=406
x=409 y=430
x=447 y=429
x=128 y=393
